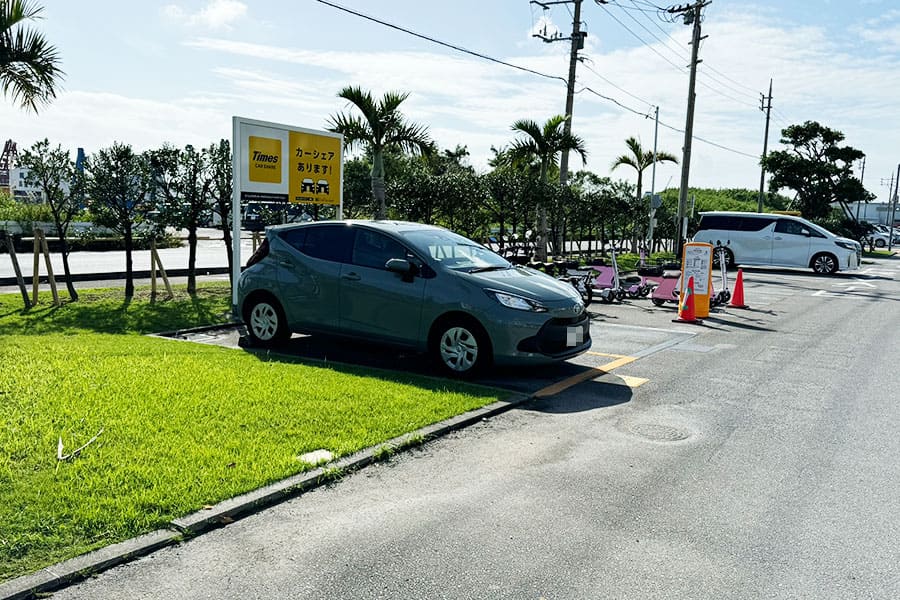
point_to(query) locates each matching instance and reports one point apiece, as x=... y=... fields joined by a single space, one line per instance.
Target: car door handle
x=350 y=276
x=778 y=237
x=286 y=264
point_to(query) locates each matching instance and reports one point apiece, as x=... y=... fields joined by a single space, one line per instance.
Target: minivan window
x=755 y=223
x=720 y=222
x=328 y=242
x=373 y=249
x=791 y=227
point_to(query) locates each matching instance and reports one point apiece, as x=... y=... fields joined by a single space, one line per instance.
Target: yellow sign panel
x=696 y=262
x=315 y=168
x=265 y=159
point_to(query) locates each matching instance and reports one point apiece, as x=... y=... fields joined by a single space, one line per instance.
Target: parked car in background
x=881 y=235
x=880 y=240
x=768 y=239
x=410 y=285
x=257 y=215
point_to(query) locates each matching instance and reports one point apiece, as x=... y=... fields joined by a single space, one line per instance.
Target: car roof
x=390 y=226
x=737 y=213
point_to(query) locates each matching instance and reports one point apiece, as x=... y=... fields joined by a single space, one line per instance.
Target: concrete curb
x=70 y=571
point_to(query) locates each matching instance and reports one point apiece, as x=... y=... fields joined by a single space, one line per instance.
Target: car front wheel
x=461 y=348
x=824 y=264
x=266 y=323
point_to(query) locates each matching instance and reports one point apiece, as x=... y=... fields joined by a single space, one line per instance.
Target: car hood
x=526 y=282
x=846 y=240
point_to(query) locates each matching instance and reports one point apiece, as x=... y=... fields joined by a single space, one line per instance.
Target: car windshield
x=455 y=252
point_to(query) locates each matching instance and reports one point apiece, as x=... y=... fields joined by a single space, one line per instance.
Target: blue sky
x=176 y=71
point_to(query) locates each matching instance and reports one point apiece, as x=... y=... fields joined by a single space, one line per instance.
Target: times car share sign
x=287 y=164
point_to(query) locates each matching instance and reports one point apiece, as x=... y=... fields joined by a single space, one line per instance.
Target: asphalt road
x=753 y=456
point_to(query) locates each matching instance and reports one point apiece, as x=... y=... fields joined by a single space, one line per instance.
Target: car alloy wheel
x=459 y=349
x=824 y=264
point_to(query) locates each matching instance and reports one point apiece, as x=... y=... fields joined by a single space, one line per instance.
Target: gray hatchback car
x=410 y=285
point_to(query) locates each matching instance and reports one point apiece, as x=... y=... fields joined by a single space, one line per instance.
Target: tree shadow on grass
x=116 y=315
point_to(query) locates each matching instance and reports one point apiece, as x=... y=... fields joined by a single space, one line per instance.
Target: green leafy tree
x=218 y=157
x=62 y=186
x=544 y=143
x=185 y=179
x=29 y=65
x=380 y=127
x=817 y=168
x=119 y=183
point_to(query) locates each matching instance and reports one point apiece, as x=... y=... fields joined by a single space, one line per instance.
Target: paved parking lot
x=623 y=333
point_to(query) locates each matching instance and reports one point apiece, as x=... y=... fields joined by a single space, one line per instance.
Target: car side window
x=328 y=242
x=294 y=237
x=373 y=249
x=791 y=227
x=755 y=223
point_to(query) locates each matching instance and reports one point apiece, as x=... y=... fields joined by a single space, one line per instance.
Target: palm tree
x=640 y=160
x=29 y=66
x=544 y=144
x=381 y=127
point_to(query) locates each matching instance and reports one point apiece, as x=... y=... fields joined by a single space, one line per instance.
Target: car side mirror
x=401 y=266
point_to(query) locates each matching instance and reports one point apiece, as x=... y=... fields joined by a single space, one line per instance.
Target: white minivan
x=768 y=239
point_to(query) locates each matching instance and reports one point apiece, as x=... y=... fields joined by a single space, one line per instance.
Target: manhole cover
x=658 y=433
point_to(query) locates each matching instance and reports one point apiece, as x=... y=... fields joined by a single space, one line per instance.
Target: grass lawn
x=184 y=425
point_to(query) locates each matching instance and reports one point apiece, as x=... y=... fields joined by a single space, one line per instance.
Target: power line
x=621 y=89
x=665 y=58
x=708 y=66
x=439 y=42
x=533 y=72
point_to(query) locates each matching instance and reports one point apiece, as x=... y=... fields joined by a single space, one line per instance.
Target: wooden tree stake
x=5 y=237
x=40 y=247
x=156 y=263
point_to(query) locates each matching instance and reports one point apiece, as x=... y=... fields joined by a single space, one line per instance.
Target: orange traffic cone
x=737 y=299
x=686 y=305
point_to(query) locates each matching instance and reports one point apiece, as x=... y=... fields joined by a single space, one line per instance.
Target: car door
x=790 y=243
x=309 y=269
x=377 y=303
x=756 y=240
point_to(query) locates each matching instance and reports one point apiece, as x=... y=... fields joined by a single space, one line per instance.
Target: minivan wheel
x=729 y=259
x=824 y=264
x=461 y=348
x=266 y=323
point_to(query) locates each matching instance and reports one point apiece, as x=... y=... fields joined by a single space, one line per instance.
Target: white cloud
x=217 y=14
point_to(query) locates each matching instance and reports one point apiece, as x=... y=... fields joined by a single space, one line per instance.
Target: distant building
x=18 y=184
x=874 y=212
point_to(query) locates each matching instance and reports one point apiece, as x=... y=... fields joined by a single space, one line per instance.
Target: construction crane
x=7 y=160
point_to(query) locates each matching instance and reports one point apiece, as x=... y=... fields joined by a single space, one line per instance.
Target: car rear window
x=328 y=242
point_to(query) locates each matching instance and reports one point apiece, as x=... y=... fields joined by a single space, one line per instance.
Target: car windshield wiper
x=491 y=268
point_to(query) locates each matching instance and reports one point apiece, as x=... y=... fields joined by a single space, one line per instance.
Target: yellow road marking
x=590 y=373
x=605 y=354
x=633 y=382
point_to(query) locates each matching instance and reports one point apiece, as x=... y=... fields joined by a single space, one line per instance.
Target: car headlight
x=847 y=245
x=516 y=302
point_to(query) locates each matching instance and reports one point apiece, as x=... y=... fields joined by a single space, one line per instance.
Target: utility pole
x=862 y=176
x=692 y=15
x=767 y=108
x=653 y=205
x=893 y=210
x=577 y=39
